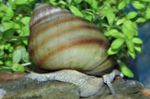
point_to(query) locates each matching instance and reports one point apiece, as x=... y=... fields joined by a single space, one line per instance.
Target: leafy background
x=118 y=25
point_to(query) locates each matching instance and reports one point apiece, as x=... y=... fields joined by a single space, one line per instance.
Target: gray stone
x=28 y=89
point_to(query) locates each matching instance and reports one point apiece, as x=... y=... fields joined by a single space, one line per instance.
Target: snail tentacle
x=108 y=78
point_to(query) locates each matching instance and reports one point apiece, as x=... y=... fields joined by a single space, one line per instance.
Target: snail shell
x=59 y=40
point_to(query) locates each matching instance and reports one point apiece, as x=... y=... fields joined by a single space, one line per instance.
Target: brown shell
x=59 y=40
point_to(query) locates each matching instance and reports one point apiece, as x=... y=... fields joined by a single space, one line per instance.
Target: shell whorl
x=59 y=40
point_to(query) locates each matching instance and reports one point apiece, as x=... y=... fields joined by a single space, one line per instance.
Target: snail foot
x=88 y=85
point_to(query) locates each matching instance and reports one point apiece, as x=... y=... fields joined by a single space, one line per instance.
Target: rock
x=28 y=89
x=25 y=88
x=146 y=92
x=128 y=89
x=8 y=76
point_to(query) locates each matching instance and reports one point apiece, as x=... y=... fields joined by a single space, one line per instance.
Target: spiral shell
x=59 y=40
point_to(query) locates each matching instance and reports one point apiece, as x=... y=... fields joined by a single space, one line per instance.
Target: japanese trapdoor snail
x=72 y=47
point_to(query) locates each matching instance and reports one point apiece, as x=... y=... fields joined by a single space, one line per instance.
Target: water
x=142 y=62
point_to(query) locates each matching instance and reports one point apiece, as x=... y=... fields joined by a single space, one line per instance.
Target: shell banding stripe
x=39 y=7
x=102 y=44
x=63 y=32
x=103 y=66
x=80 y=24
x=42 y=11
x=50 y=24
x=46 y=18
x=80 y=42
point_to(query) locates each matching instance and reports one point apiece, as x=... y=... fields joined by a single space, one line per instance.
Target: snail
x=60 y=41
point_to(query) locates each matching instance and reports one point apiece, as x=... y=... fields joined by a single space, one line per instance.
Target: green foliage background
x=119 y=27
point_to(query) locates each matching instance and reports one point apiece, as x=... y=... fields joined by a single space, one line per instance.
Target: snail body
x=59 y=40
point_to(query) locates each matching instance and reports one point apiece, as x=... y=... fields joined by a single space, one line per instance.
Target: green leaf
x=132 y=15
x=129 y=29
x=1 y=30
x=17 y=55
x=25 y=42
x=25 y=20
x=3 y=7
x=53 y=2
x=18 y=68
x=75 y=11
x=34 y=0
x=126 y=71
x=110 y=17
x=120 y=21
x=111 y=52
x=108 y=12
x=21 y=2
x=132 y=54
x=137 y=40
x=17 y=26
x=1 y=62
x=7 y=46
x=62 y=2
x=11 y=4
x=20 y=54
x=138 y=48
x=1 y=53
x=89 y=17
x=114 y=33
x=147 y=15
x=7 y=25
x=25 y=30
x=8 y=63
x=92 y=3
x=1 y=14
x=25 y=55
x=130 y=45
x=145 y=1
x=138 y=5
x=10 y=49
x=140 y=20
x=122 y=5
x=9 y=12
x=116 y=44
x=77 y=1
